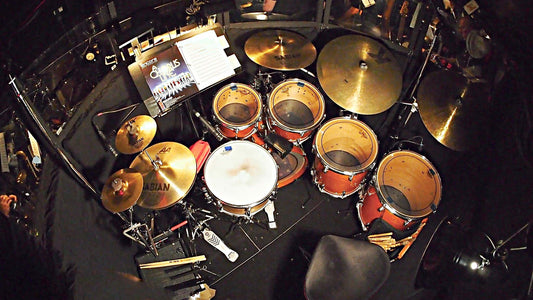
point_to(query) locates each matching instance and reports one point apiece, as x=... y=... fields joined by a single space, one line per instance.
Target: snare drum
x=237 y=108
x=345 y=149
x=407 y=188
x=295 y=109
x=240 y=177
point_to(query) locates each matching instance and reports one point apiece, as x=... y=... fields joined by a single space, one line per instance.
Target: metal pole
x=44 y=133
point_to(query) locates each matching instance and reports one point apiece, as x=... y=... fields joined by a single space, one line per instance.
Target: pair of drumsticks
x=387 y=242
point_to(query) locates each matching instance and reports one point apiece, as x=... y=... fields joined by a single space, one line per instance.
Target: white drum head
x=241 y=174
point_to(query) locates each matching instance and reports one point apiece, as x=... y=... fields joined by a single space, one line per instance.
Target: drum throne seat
x=345 y=268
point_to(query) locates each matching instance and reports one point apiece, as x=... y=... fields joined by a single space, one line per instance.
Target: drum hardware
x=280 y=50
x=366 y=80
x=209 y=127
x=262 y=81
x=201 y=229
x=141 y=234
x=269 y=209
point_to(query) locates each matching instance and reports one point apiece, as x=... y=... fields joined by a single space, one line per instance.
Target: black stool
x=345 y=268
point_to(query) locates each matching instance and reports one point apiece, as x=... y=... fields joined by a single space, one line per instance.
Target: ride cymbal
x=280 y=50
x=359 y=74
x=134 y=135
x=168 y=170
x=453 y=108
x=122 y=190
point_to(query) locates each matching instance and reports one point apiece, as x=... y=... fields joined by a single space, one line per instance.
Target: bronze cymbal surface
x=359 y=74
x=280 y=50
x=169 y=181
x=134 y=135
x=453 y=109
x=264 y=16
x=122 y=190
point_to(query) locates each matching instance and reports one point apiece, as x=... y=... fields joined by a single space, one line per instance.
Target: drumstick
x=413 y=236
x=174 y=262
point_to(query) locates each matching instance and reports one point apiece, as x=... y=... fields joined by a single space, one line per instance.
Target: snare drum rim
x=235 y=126
x=272 y=120
x=249 y=205
x=345 y=172
x=398 y=211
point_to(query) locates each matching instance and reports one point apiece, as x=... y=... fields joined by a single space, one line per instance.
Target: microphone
x=209 y=127
x=104 y=141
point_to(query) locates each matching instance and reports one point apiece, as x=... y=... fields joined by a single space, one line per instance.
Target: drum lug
x=313 y=149
x=381 y=208
x=407 y=221
x=326 y=168
x=343 y=194
x=351 y=177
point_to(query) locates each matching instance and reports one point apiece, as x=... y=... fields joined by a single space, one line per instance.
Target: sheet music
x=206 y=59
x=3 y=154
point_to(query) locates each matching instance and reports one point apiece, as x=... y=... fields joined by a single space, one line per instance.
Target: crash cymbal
x=122 y=190
x=359 y=74
x=453 y=108
x=171 y=179
x=134 y=135
x=280 y=50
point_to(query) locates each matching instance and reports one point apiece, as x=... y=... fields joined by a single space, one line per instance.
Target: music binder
x=182 y=67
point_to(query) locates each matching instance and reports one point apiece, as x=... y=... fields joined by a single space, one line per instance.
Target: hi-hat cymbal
x=280 y=50
x=359 y=74
x=134 y=135
x=171 y=178
x=453 y=108
x=122 y=190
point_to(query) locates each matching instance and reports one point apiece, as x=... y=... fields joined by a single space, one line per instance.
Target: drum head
x=346 y=145
x=296 y=105
x=237 y=105
x=409 y=184
x=241 y=174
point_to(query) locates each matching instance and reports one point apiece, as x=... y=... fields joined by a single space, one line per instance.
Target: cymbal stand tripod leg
x=137 y=234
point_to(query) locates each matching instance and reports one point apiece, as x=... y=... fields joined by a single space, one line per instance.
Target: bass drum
x=241 y=177
x=406 y=188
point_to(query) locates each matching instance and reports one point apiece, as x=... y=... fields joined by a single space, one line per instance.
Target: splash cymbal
x=169 y=181
x=280 y=50
x=122 y=190
x=359 y=74
x=134 y=135
x=453 y=108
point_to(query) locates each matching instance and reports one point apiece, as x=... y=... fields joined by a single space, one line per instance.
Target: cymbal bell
x=134 y=135
x=359 y=74
x=453 y=108
x=168 y=170
x=280 y=50
x=122 y=190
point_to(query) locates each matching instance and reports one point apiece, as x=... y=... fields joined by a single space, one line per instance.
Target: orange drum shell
x=243 y=211
x=336 y=184
x=370 y=211
x=239 y=134
x=294 y=137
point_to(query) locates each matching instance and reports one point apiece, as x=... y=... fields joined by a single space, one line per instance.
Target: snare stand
x=138 y=232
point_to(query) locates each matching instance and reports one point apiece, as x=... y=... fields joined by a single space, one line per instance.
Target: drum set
x=265 y=136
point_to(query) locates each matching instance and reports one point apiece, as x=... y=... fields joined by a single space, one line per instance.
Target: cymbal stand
x=414 y=104
x=134 y=232
x=262 y=81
